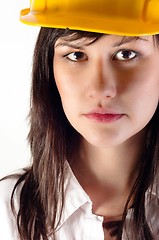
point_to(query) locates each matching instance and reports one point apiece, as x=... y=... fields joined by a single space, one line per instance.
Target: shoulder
x=152 y=208
x=6 y=188
x=8 y=227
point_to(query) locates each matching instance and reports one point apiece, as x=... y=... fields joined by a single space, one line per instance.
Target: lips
x=104 y=117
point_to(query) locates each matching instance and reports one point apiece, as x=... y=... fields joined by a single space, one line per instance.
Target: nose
x=102 y=82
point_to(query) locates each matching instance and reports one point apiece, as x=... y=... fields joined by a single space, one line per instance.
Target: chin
x=104 y=142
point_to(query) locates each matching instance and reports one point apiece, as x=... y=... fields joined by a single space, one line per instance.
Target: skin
x=111 y=75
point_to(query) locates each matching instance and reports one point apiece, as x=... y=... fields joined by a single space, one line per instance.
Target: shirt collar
x=74 y=195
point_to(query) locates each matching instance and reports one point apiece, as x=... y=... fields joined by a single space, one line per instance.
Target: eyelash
x=78 y=52
x=85 y=58
x=127 y=51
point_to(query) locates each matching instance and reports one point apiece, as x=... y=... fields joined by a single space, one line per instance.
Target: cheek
x=142 y=81
x=139 y=92
x=60 y=80
x=145 y=94
x=66 y=82
x=69 y=91
x=148 y=88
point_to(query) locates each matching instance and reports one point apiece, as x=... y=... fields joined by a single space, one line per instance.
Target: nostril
x=103 y=92
x=110 y=93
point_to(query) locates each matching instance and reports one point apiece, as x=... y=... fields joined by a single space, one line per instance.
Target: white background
x=17 y=42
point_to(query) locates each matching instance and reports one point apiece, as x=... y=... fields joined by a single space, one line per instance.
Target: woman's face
x=109 y=88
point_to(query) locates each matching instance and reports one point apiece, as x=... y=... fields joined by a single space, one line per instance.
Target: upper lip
x=103 y=111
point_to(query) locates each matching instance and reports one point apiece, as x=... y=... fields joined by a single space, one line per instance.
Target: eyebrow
x=77 y=45
x=125 y=40
x=81 y=45
x=70 y=44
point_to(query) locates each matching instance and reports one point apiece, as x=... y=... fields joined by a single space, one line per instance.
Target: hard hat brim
x=90 y=23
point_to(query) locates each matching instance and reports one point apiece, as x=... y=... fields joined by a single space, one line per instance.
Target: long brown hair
x=52 y=140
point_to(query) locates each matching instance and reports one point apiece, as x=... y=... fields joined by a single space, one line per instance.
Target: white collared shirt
x=77 y=222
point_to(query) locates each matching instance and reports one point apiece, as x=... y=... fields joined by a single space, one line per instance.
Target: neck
x=108 y=171
x=118 y=164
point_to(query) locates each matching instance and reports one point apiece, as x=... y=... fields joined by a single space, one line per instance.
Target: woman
x=94 y=128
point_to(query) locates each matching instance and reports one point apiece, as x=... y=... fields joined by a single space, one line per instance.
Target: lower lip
x=104 y=118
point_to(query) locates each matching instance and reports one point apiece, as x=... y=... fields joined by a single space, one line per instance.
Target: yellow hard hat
x=123 y=17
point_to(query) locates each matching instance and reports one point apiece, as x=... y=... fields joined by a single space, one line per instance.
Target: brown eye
x=125 y=55
x=77 y=56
